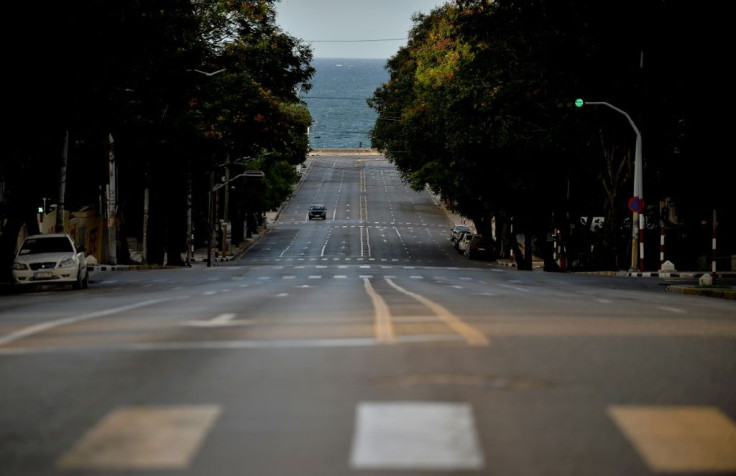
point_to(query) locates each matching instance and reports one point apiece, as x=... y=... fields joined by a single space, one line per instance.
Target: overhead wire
x=355 y=41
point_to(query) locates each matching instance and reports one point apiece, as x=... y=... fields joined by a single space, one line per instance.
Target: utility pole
x=190 y=240
x=144 y=253
x=211 y=218
x=112 y=201
x=714 y=258
x=226 y=202
x=59 y=228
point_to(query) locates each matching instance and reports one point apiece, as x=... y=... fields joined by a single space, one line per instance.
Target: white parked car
x=462 y=242
x=50 y=259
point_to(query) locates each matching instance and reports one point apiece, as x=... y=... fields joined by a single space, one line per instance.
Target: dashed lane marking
x=222 y=320
x=675 y=310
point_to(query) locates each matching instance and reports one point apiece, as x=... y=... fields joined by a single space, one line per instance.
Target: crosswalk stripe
x=679 y=438
x=143 y=438
x=393 y=436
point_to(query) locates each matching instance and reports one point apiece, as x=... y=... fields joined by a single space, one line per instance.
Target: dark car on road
x=317 y=211
x=479 y=247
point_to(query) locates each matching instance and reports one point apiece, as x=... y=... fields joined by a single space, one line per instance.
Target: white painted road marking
x=515 y=288
x=28 y=331
x=225 y=319
x=675 y=310
x=415 y=436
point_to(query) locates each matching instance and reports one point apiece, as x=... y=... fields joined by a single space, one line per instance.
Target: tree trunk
x=523 y=258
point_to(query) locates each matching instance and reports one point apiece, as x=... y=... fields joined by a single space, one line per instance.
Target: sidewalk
x=724 y=285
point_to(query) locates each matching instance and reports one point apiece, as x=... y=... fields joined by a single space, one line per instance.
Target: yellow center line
x=472 y=335
x=363 y=208
x=384 y=327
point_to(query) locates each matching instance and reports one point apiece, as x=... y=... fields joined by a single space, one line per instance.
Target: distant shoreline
x=344 y=152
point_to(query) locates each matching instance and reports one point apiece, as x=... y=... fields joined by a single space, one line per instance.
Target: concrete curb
x=199 y=260
x=725 y=293
x=658 y=274
x=127 y=267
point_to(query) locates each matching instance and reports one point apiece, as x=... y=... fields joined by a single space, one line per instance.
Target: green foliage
x=478 y=107
x=134 y=70
x=280 y=186
x=460 y=102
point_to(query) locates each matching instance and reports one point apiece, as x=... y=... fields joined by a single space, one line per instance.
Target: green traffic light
x=579 y=102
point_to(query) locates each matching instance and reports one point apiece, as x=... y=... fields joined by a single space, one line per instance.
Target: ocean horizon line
x=337 y=101
x=348 y=58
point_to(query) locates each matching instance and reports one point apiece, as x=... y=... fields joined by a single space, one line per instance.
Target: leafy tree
x=129 y=70
x=476 y=93
x=478 y=107
x=252 y=109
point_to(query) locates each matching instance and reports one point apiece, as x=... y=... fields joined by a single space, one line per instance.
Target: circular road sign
x=636 y=204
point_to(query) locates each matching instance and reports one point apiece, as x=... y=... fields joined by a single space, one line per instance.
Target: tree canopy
x=479 y=108
x=182 y=86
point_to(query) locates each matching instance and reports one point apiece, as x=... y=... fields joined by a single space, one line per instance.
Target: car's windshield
x=46 y=245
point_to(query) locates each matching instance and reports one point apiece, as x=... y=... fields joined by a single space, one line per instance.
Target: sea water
x=337 y=101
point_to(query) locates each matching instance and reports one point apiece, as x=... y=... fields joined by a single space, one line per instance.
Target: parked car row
x=471 y=245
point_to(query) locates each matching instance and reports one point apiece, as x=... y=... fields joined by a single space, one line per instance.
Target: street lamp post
x=210 y=223
x=210 y=232
x=190 y=231
x=211 y=219
x=638 y=224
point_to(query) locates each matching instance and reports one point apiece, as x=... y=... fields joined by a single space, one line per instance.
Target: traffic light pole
x=638 y=224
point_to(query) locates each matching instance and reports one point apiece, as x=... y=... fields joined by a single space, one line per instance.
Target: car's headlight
x=67 y=263
x=20 y=266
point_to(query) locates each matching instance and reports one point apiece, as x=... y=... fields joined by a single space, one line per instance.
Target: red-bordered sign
x=636 y=204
